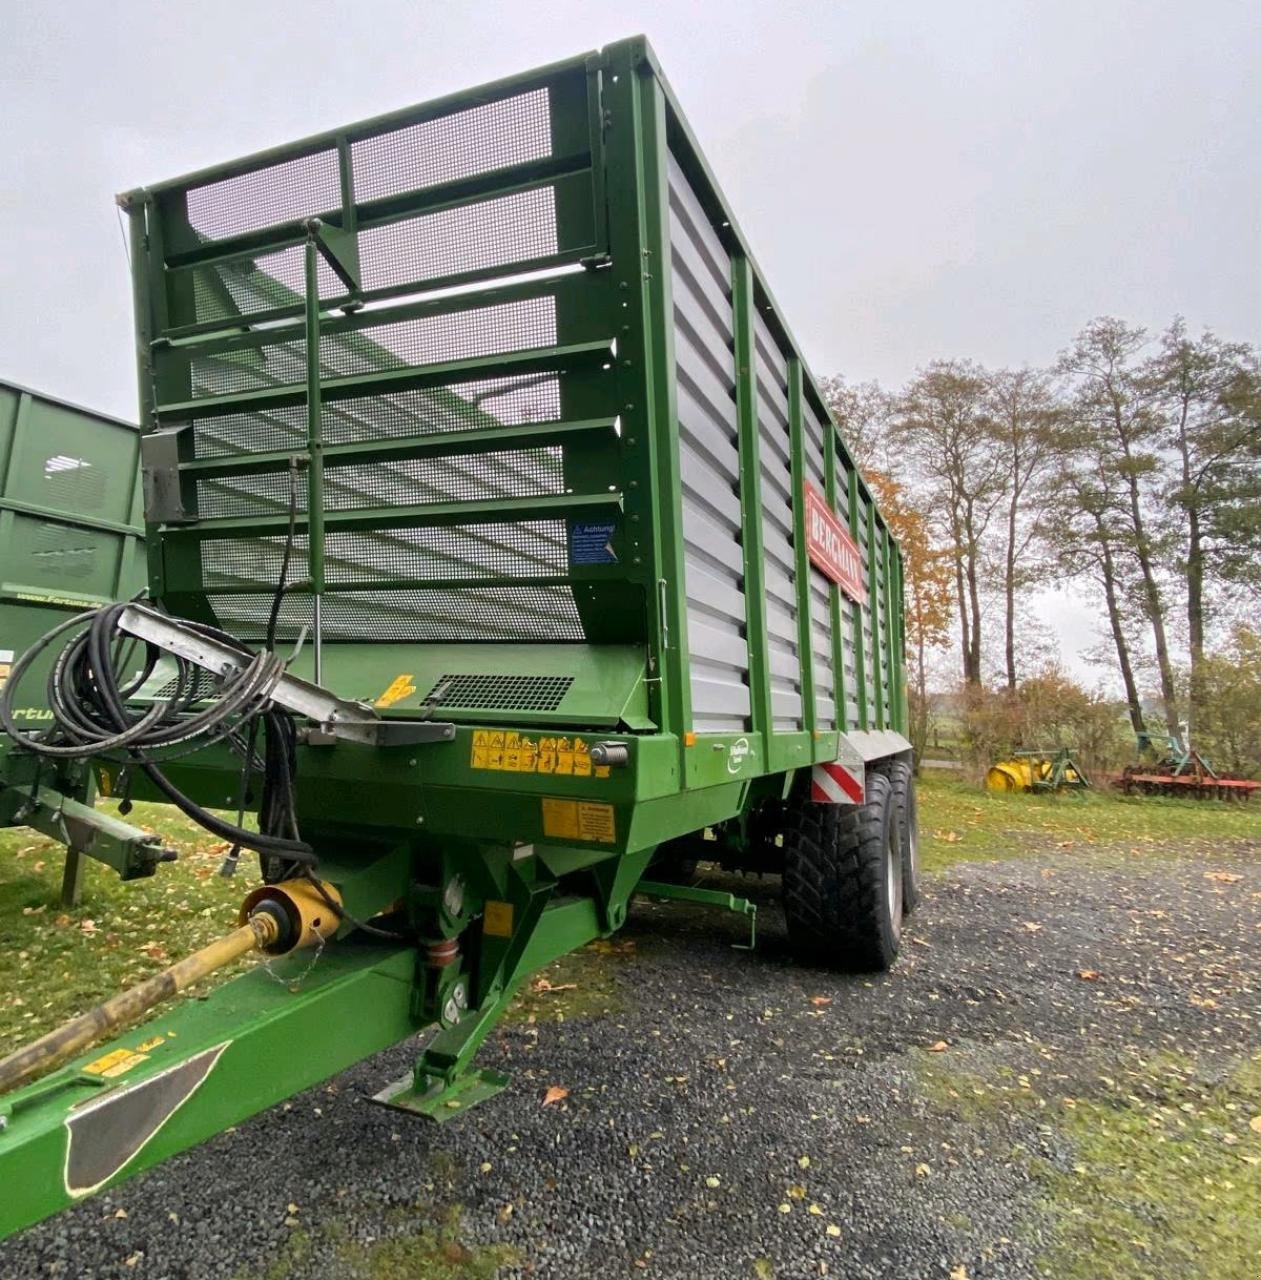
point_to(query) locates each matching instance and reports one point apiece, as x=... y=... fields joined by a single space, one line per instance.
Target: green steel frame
x=484 y=840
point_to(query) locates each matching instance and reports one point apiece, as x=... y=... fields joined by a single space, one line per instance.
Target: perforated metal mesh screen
x=509 y=401
x=521 y=473
x=491 y=136
x=434 y=339
x=505 y=693
x=510 y=230
x=530 y=613
x=428 y=210
x=529 y=548
x=261 y=198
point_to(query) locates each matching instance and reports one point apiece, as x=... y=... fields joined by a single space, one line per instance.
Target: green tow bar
x=705 y=898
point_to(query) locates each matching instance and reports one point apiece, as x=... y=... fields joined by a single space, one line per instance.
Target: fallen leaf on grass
x=605 y=947
x=819 y=1001
x=950 y=837
x=1032 y=925
x=1089 y=975
x=555 y=1093
x=543 y=987
x=938 y=1046
x=1255 y=1124
x=1223 y=877
x=959 y=1273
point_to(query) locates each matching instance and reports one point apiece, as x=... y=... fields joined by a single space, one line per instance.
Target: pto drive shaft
x=275 y=919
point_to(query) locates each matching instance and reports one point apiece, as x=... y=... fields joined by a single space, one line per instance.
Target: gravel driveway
x=731 y=1114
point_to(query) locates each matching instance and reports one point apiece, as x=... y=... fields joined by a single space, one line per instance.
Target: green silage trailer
x=506 y=562
x=71 y=539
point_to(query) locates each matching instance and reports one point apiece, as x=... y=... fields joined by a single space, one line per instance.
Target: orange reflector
x=689 y=739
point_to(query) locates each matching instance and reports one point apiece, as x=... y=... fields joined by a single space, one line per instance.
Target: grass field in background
x=960 y=821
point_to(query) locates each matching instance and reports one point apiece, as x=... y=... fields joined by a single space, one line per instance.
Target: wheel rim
x=893 y=880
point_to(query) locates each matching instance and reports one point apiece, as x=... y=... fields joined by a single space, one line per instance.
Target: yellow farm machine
x=1037 y=771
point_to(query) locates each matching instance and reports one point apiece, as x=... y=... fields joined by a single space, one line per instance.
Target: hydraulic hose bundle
x=88 y=695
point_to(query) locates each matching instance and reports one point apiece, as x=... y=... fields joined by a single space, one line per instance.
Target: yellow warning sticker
x=578 y=820
x=401 y=687
x=506 y=751
x=498 y=921
x=115 y=1063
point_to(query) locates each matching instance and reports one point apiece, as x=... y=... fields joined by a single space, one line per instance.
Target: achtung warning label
x=506 y=751
x=579 y=820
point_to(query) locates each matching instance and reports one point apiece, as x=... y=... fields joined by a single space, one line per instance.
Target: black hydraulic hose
x=91 y=719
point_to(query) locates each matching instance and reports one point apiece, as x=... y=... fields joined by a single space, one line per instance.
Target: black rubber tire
x=842 y=881
x=902 y=779
x=674 y=870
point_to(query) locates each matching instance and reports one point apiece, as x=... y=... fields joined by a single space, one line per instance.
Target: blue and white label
x=592 y=543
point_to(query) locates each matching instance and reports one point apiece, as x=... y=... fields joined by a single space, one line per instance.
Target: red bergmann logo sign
x=830 y=547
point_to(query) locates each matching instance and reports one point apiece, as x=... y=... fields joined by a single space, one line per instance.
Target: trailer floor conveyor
x=503 y=561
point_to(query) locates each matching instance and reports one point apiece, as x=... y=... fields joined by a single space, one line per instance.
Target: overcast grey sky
x=919 y=178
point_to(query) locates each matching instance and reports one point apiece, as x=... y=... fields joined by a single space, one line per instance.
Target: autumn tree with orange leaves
x=928 y=589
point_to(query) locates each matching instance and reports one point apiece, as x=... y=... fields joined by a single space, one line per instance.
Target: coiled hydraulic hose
x=92 y=719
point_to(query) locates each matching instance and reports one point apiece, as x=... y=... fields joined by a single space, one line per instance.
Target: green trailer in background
x=71 y=539
x=483 y=472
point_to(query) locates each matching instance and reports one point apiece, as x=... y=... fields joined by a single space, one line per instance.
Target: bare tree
x=1086 y=539
x=1022 y=412
x=1214 y=442
x=942 y=420
x=862 y=411
x=1116 y=407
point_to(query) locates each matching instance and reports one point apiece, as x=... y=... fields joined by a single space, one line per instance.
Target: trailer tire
x=902 y=779
x=843 y=881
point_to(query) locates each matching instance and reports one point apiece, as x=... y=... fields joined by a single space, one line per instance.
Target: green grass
x=1166 y=1178
x=1163 y=1167
x=582 y=984
x=415 y=1242
x=55 y=962
x=962 y=822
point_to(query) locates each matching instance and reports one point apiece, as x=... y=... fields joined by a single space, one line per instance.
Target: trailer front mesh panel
x=557 y=405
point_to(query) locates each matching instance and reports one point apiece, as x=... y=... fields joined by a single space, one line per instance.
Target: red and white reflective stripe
x=833 y=783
